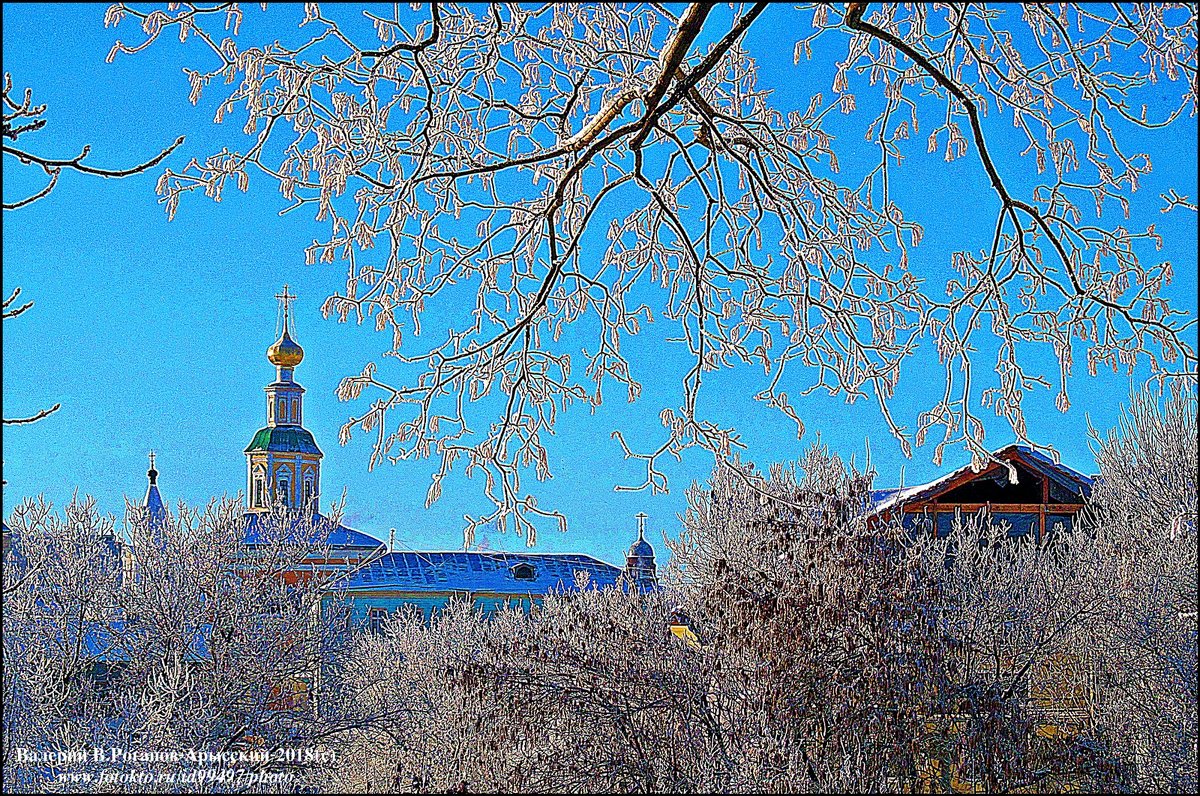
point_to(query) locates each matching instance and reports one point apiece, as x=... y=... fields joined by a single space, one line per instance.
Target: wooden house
x=1027 y=490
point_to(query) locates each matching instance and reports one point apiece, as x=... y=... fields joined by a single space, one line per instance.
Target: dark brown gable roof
x=1067 y=485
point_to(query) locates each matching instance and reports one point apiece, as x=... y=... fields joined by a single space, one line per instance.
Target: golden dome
x=285 y=352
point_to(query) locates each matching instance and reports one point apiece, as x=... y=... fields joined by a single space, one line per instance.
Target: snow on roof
x=337 y=536
x=477 y=571
x=885 y=499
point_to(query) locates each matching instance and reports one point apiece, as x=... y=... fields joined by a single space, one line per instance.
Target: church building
x=283 y=483
x=283 y=470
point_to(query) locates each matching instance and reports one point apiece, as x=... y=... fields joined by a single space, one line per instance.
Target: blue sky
x=152 y=333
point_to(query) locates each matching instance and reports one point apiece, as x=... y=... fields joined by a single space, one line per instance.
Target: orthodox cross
x=151 y=460
x=641 y=518
x=285 y=301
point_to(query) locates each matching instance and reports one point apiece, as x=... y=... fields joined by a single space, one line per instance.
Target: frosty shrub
x=181 y=639
x=1145 y=540
x=829 y=651
x=1076 y=661
x=589 y=691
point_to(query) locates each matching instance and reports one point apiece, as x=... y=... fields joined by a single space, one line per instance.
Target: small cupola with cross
x=640 y=568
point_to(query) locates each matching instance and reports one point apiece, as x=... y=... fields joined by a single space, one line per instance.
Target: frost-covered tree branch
x=22 y=118
x=7 y=314
x=517 y=191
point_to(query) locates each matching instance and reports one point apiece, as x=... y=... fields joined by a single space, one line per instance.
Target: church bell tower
x=283 y=462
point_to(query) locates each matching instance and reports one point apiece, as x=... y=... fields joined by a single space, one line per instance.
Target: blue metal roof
x=102 y=641
x=154 y=503
x=641 y=548
x=478 y=572
x=337 y=535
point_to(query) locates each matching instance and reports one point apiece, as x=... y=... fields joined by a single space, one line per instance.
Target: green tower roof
x=284 y=439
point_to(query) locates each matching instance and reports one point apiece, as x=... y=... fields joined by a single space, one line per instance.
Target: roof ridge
x=490 y=553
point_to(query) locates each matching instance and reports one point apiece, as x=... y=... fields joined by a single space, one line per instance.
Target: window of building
x=1021 y=525
x=258 y=498
x=375 y=619
x=917 y=522
x=309 y=493
x=524 y=572
x=1058 y=524
x=283 y=491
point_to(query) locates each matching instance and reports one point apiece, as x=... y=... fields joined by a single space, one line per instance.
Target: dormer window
x=524 y=572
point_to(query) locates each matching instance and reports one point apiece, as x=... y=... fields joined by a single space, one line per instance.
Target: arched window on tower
x=270 y=410
x=295 y=410
x=282 y=411
x=283 y=491
x=258 y=495
x=309 y=494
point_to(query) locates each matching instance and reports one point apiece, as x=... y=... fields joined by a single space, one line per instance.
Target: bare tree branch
x=570 y=174
x=13 y=129
x=42 y=413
